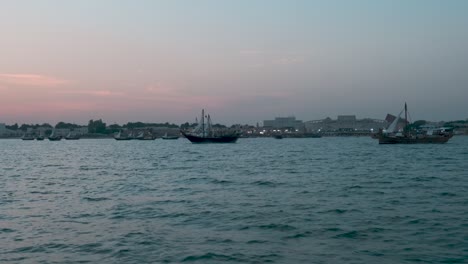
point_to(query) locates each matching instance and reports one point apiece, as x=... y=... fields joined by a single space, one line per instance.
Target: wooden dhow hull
x=414 y=140
x=219 y=139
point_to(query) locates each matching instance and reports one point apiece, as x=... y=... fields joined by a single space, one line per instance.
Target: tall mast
x=209 y=126
x=203 y=121
x=405 y=130
x=406 y=114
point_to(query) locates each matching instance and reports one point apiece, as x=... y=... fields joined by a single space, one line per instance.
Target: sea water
x=315 y=200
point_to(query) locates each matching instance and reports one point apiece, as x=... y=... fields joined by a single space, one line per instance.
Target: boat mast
x=406 y=114
x=210 y=131
x=203 y=121
x=405 y=130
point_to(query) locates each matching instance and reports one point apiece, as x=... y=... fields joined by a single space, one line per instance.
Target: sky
x=243 y=61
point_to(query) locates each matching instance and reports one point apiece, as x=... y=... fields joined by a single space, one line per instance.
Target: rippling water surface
x=325 y=200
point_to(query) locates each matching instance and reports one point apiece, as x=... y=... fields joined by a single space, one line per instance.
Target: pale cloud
x=35 y=80
x=289 y=60
x=103 y=93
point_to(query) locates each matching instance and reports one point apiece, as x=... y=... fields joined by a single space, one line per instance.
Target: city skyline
x=243 y=61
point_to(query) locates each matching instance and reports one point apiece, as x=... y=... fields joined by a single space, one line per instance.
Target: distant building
x=5 y=132
x=39 y=131
x=3 y=129
x=61 y=131
x=345 y=123
x=80 y=130
x=283 y=122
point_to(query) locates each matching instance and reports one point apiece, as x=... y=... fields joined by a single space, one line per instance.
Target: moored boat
x=122 y=136
x=172 y=137
x=145 y=135
x=204 y=133
x=54 y=137
x=407 y=136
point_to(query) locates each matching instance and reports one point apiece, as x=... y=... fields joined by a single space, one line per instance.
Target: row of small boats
x=52 y=137
x=205 y=133
x=141 y=136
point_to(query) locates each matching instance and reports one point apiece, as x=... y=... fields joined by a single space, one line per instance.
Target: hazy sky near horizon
x=244 y=61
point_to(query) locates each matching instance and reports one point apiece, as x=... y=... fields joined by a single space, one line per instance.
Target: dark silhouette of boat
x=432 y=136
x=278 y=136
x=122 y=136
x=204 y=133
x=211 y=139
x=145 y=135
x=40 y=137
x=54 y=137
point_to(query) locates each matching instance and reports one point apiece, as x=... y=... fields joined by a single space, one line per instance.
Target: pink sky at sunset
x=243 y=61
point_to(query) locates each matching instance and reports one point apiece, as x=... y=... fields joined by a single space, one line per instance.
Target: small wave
x=29 y=249
x=39 y=192
x=215 y=257
x=417 y=221
x=299 y=235
x=340 y=211
x=279 y=227
x=351 y=234
x=265 y=183
x=257 y=241
x=52 y=165
x=353 y=187
x=56 y=246
x=449 y=194
x=85 y=215
x=72 y=221
x=95 y=199
x=174 y=215
x=6 y=230
x=333 y=229
x=376 y=230
x=88 y=168
x=215 y=240
x=372 y=253
x=221 y=181
x=90 y=247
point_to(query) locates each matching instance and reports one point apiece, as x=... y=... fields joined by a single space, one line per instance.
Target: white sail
x=392 y=127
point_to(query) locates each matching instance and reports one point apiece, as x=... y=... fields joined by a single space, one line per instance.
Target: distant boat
x=169 y=137
x=431 y=136
x=72 y=136
x=40 y=137
x=54 y=137
x=122 y=136
x=27 y=137
x=145 y=136
x=278 y=136
x=204 y=133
